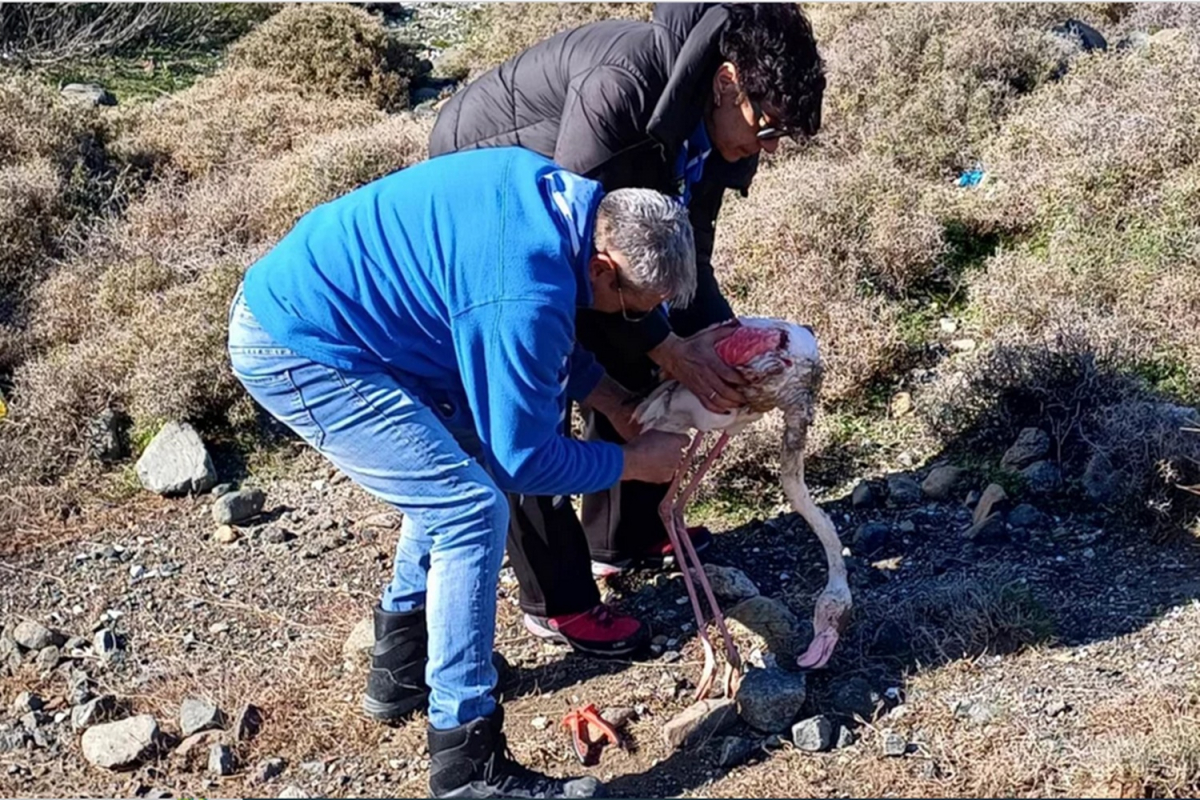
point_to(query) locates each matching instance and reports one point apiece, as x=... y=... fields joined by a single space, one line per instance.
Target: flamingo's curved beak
x=820 y=650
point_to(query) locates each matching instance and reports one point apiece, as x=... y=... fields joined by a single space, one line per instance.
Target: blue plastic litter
x=971 y=177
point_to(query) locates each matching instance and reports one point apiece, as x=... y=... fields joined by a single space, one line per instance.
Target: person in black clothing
x=682 y=104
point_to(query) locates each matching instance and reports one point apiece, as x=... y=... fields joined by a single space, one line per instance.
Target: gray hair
x=652 y=231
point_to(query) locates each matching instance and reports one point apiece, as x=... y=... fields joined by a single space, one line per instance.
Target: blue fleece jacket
x=461 y=276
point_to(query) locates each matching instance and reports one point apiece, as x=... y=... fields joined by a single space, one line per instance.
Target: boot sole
x=391 y=712
x=602 y=569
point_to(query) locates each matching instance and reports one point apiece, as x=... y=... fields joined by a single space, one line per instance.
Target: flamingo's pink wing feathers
x=747 y=343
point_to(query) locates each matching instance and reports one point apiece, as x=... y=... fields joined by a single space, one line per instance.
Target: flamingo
x=782 y=366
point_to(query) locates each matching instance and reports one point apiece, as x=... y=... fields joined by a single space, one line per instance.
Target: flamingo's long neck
x=792 y=478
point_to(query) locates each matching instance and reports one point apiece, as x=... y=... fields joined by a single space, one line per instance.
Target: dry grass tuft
x=925 y=84
x=335 y=49
x=501 y=30
x=235 y=119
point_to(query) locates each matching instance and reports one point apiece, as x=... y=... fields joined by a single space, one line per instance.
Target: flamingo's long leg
x=731 y=653
x=666 y=511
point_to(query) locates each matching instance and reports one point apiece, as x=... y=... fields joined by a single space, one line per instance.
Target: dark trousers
x=549 y=548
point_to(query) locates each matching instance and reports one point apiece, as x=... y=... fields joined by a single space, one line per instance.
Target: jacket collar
x=573 y=203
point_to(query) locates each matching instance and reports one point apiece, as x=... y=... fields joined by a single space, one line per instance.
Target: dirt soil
x=1059 y=661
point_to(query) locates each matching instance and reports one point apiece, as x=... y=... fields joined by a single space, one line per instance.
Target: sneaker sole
x=601 y=569
x=608 y=652
x=391 y=712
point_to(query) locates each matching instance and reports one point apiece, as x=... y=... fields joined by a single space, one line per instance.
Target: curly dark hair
x=773 y=48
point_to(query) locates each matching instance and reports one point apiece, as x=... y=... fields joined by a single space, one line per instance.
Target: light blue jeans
x=401 y=450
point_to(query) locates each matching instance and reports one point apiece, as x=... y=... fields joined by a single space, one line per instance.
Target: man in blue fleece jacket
x=419 y=333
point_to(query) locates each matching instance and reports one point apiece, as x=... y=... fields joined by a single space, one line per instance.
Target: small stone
x=31 y=720
x=854 y=697
x=903 y=491
x=105 y=643
x=671 y=656
x=699 y=723
x=902 y=404
x=540 y=723
x=972 y=500
x=220 y=760
x=226 y=534
x=197 y=715
x=894 y=745
x=735 y=751
x=963 y=345
x=942 y=483
x=358 y=645
x=248 y=723
x=238 y=506
x=278 y=535
x=25 y=702
x=95 y=711
x=223 y=489
x=990 y=531
x=114 y=745
x=293 y=792
x=1042 y=478
x=35 y=636
x=1032 y=444
x=988 y=520
x=217 y=628
x=13 y=740
x=845 y=738
x=193 y=752
x=176 y=462
x=907 y=527
x=269 y=769
x=871 y=537
x=730 y=583
x=813 y=735
x=769 y=699
x=863 y=496
x=1026 y=516
x=1103 y=483
x=619 y=716
x=136 y=571
x=76 y=644
x=1057 y=708
x=948 y=324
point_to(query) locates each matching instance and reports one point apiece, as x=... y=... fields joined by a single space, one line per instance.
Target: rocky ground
x=171 y=647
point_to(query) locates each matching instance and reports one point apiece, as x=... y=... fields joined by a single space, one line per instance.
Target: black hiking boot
x=472 y=760
x=396 y=683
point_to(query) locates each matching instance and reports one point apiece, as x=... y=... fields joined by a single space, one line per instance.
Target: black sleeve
x=709 y=306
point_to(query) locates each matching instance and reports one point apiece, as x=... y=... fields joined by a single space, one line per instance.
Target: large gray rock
x=88 y=94
x=1032 y=444
x=770 y=699
x=197 y=715
x=700 y=722
x=769 y=620
x=116 y=745
x=1042 y=478
x=730 y=583
x=942 y=483
x=864 y=495
x=176 y=462
x=34 y=636
x=813 y=735
x=234 y=507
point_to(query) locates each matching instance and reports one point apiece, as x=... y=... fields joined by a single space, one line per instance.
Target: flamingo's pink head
x=748 y=343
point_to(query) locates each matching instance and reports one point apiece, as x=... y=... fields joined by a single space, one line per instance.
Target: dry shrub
x=336 y=49
x=36 y=123
x=925 y=84
x=30 y=219
x=827 y=244
x=184 y=224
x=150 y=297
x=1153 y=17
x=498 y=31
x=1099 y=146
x=234 y=119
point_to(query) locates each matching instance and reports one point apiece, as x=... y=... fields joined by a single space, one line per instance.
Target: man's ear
x=602 y=271
x=725 y=82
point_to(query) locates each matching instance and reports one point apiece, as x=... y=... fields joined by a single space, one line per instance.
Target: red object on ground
x=581 y=722
x=747 y=343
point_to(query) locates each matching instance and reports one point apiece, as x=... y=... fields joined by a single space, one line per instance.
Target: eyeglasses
x=768 y=132
x=636 y=316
